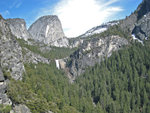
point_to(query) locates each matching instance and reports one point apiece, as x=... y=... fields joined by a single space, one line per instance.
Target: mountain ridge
x=99 y=29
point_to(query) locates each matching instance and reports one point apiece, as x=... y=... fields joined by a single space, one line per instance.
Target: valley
x=104 y=70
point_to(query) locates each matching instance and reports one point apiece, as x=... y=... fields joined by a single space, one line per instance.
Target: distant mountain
x=48 y=29
x=99 y=29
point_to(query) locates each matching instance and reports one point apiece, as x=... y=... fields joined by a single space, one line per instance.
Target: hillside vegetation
x=52 y=52
x=120 y=84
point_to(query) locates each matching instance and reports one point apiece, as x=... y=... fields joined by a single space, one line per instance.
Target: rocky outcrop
x=138 y=23
x=18 y=28
x=11 y=58
x=48 y=29
x=20 y=109
x=1 y=76
x=4 y=99
x=10 y=52
x=92 y=52
x=63 y=42
x=128 y=23
x=3 y=87
x=143 y=8
x=75 y=42
x=142 y=27
x=30 y=57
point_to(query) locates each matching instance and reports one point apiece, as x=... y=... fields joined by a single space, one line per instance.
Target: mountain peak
x=47 y=29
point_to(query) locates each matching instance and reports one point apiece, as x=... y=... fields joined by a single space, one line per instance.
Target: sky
x=77 y=16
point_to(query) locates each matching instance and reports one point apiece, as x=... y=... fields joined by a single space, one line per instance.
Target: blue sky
x=77 y=16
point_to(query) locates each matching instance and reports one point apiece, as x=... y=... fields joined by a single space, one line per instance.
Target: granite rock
x=10 y=52
x=48 y=29
x=18 y=28
x=93 y=51
x=20 y=109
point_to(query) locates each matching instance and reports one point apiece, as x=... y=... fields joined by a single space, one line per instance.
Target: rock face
x=92 y=52
x=128 y=23
x=143 y=8
x=10 y=52
x=31 y=57
x=138 y=23
x=1 y=76
x=10 y=59
x=20 y=109
x=18 y=28
x=3 y=87
x=142 y=28
x=4 y=99
x=63 y=42
x=48 y=29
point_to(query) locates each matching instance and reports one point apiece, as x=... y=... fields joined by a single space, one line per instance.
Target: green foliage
x=5 y=108
x=19 y=92
x=69 y=109
x=57 y=53
x=120 y=84
x=115 y=30
x=54 y=53
x=41 y=89
x=7 y=74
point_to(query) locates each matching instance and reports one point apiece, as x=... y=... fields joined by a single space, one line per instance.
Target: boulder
x=20 y=109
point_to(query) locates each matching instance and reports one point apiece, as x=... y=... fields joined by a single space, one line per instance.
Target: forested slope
x=120 y=84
